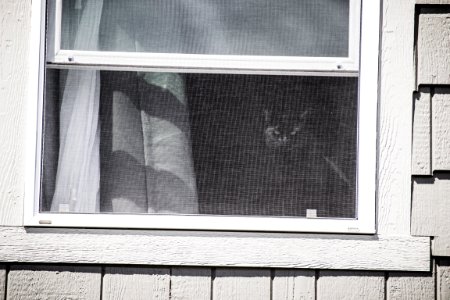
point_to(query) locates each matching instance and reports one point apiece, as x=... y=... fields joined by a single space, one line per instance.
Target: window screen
x=199 y=135
x=312 y=28
x=215 y=144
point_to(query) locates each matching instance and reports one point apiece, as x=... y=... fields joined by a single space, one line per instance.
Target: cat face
x=280 y=131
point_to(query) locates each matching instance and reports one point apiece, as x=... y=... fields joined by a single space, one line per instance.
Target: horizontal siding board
x=433 y=61
x=293 y=285
x=430 y=205
x=54 y=282
x=441 y=127
x=443 y=280
x=350 y=285
x=229 y=249
x=190 y=284
x=136 y=283
x=241 y=284
x=421 y=156
x=410 y=286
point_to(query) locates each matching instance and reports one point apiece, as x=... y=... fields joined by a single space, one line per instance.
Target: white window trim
x=349 y=66
x=212 y=249
x=391 y=249
x=363 y=224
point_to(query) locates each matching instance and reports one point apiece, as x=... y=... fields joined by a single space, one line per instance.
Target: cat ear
x=300 y=123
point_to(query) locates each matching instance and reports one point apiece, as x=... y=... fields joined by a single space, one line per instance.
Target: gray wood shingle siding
x=431 y=139
x=433 y=42
x=81 y=282
x=431 y=130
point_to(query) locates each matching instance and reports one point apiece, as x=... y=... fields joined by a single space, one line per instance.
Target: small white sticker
x=353 y=229
x=64 y=207
x=311 y=213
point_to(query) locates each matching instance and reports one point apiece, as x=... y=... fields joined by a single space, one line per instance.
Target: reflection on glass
x=313 y=28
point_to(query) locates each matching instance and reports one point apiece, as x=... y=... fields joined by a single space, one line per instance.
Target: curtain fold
x=167 y=147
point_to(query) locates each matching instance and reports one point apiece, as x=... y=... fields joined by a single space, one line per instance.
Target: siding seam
x=272 y=276
x=431 y=131
x=435 y=275
x=7 y=269
x=316 y=278
x=386 y=278
x=102 y=275
x=170 y=282
x=213 y=277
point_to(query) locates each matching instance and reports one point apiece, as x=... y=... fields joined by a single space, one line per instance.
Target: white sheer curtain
x=166 y=146
x=78 y=175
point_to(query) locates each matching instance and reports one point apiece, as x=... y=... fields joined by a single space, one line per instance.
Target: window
x=224 y=115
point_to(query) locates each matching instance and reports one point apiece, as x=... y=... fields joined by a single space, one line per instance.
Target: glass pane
x=215 y=144
x=313 y=28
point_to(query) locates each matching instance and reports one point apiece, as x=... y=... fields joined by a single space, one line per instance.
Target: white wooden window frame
x=391 y=248
x=366 y=67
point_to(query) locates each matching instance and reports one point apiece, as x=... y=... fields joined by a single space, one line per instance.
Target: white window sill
x=203 y=248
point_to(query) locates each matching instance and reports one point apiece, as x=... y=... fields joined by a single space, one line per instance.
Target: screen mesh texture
x=217 y=144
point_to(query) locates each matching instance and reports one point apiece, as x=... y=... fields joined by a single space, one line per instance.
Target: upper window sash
x=341 y=66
